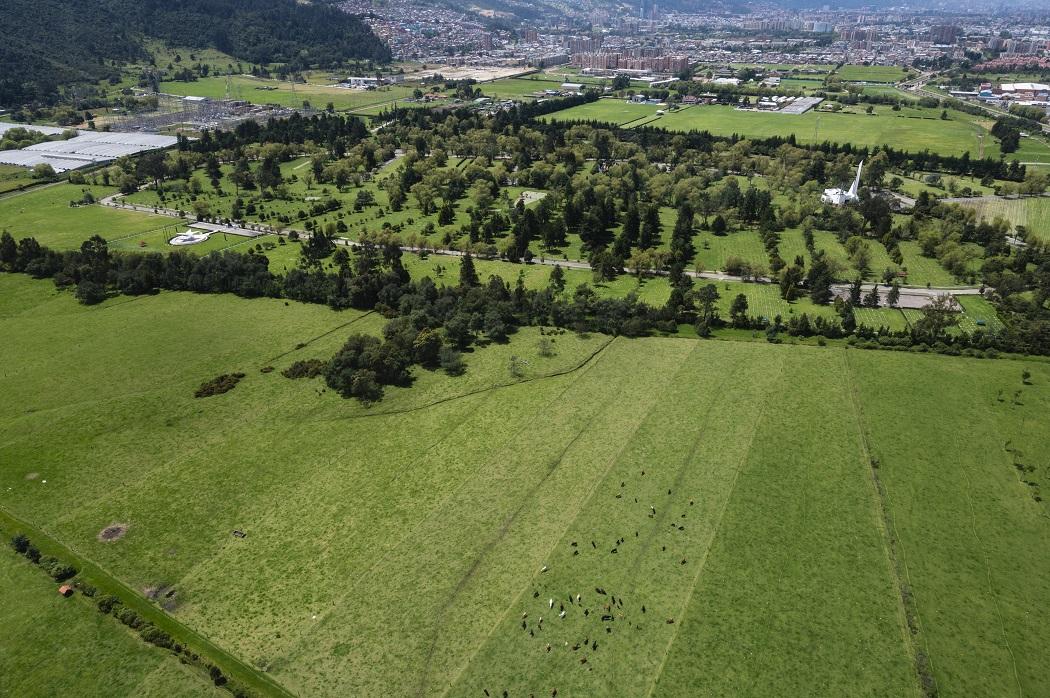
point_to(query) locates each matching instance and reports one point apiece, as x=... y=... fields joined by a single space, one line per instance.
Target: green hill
x=46 y=45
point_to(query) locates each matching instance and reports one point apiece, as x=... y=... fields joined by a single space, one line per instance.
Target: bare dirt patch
x=113 y=532
x=32 y=476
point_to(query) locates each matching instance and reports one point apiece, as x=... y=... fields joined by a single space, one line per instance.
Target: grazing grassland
x=1032 y=213
x=392 y=550
x=49 y=643
x=45 y=214
x=912 y=129
x=283 y=93
x=970 y=531
x=13 y=177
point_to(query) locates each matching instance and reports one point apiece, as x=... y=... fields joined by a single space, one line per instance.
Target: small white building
x=839 y=197
x=364 y=82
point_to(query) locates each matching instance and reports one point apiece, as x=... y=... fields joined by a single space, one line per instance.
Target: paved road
x=253 y=230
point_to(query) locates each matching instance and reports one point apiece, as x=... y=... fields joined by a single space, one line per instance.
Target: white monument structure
x=838 y=197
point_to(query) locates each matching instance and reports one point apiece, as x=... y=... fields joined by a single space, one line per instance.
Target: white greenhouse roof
x=88 y=148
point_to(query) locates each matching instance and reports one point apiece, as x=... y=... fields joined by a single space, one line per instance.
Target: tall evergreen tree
x=468 y=275
x=894 y=295
x=650 y=235
x=819 y=279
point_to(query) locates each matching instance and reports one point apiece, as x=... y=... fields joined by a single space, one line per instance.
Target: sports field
x=685 y=490
x=873 y=73
x=911 y=128
x=521 y=88
x=1032 y=213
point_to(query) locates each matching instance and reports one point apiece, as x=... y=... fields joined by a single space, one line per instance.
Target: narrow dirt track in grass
x=613 y=461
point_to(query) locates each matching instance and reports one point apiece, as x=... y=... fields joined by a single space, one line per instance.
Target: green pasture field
x=13 y=177
x=282 y=93
x=611 y=110
x=394 y=550
x=45 y=214
x=1032 y=213
x=803 y=84
x=911 y=129
x=873 y=73
x=49 y=643
x=961 y=510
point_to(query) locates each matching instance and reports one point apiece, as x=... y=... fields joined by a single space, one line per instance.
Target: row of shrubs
x=903 y=344
x=112 y=605
x=55 y=568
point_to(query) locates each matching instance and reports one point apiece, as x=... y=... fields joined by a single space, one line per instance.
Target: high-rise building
x=944 y=34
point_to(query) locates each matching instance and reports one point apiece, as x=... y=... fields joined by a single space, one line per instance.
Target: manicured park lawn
x=301 y=196
x=1033 y=213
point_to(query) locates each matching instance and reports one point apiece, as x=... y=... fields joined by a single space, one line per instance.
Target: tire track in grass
x=495 y=540
x=586 y=363
x=421 y=525
x=583 y=506
x=320 y=336
x=202 y=565
x=676 y=484
x=890 y=542
x=714 y=536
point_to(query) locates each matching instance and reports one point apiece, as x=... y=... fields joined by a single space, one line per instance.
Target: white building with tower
x=839 y=197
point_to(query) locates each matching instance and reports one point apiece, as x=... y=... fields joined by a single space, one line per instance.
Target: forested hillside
x=45 y=44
